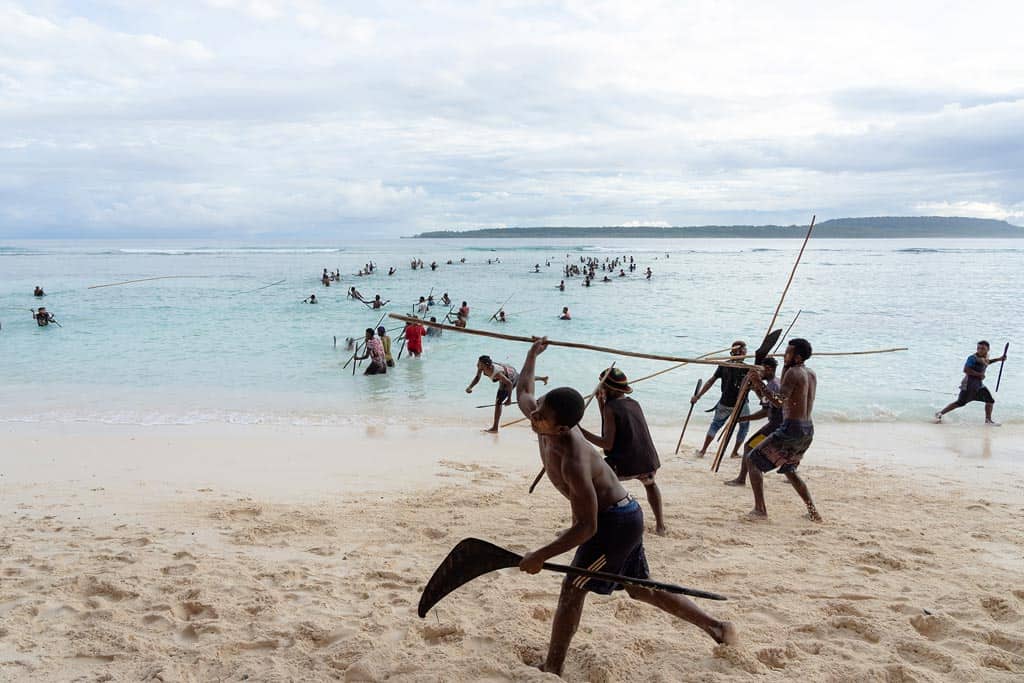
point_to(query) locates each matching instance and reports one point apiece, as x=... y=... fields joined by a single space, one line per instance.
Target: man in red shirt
x=414 y=338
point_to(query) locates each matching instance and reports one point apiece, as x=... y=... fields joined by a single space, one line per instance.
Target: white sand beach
x=273 y=554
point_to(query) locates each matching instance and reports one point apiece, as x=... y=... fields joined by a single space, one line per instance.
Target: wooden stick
x=500 y=307
x=730 y=424
x=635 y=381
x=823 y=353
x=688 y=414
x=1002 y=365
x=791 y=274
x=145 y=279
x=782 y=339
x=572 y=345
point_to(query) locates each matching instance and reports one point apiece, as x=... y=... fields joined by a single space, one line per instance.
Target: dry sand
x=202 y=554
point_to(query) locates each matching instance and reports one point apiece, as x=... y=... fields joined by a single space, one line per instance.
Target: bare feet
x=735 y=454
x=938 y=418
x=492 y=430
x=725 y=633
x=757 y=516
x=660 y=530
x=699 y=454
x=992 y=423
x=735 y=482
x=812 y=514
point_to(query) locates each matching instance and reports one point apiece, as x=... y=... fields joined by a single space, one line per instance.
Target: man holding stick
x=506 y=376
x=773 y=413
x=608 y=524
x=732 y=379
x=972 y=387
x=626 y=439
x=785 y=447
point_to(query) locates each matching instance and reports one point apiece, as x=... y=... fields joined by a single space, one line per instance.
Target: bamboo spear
x=572 y=345
x=730 y=425
x=635 y=381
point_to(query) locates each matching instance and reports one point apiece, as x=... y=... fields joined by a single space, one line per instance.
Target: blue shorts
x=617 y=548
x=722 y=414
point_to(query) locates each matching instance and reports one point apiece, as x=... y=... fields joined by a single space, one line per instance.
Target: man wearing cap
x=626 y=439
x=732 y=379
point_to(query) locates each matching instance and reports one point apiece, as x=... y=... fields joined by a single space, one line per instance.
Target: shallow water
x=211 y=345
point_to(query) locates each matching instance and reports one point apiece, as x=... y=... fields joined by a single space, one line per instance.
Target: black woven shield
x=467 y=560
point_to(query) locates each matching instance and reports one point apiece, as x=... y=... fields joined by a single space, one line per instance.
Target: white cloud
x=244 y=114
x=996 y=211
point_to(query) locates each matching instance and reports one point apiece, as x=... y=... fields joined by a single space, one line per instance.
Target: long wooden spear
x=1002 y=365
x=730 y=425
x=571 y=345
x=688 y=414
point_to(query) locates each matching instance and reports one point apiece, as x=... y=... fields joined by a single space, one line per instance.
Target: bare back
x=799 y=385
x=559 y=452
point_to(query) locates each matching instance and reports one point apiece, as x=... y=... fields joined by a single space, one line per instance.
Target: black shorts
x=983 y=395
x=503 y=394
x=616 y=548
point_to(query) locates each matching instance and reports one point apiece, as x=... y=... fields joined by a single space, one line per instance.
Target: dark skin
x=737 y=350
x=581 y=475
x=796 y=398
x=503 y=380
x=982 y=353
x=767 y=374
x=606 y=439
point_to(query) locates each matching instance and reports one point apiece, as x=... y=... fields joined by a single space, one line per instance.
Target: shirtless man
x=377 y=303
x=608 y=525
x=785 y=447
x=506 y=376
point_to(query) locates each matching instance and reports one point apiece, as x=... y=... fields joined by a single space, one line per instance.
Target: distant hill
x=845 y=228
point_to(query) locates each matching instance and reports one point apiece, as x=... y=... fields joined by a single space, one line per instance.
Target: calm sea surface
x=213 y=346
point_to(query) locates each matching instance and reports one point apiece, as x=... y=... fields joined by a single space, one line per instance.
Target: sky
x=260 y=118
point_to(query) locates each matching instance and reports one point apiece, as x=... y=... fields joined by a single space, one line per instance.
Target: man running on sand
x=972 y=387
x=626 y=439
x=506 y=376
x=608 y=525
x=785 y=447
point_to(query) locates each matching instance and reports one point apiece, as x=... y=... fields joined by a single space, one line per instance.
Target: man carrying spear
x=785 y=447
x=608 y=525
x=972 y=387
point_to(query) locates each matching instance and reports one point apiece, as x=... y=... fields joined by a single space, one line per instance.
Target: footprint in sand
x=924 y=655
x=179 y=569
x=999 y=609
x=191 y=610
x=158 y=622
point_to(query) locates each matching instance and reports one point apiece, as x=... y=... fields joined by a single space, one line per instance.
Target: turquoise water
x=207 y=348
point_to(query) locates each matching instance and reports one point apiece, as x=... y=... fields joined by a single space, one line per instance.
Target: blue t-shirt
x=978 y=365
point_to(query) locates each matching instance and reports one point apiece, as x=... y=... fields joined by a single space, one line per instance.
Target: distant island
x=838 y=228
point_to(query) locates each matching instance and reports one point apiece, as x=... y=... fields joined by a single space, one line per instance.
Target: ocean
x=220 y=342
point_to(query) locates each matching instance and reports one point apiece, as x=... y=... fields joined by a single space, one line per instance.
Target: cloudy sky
x=240 y=118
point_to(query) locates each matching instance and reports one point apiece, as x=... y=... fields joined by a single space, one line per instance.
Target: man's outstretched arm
x=525 y=386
